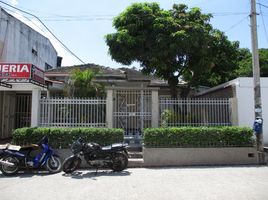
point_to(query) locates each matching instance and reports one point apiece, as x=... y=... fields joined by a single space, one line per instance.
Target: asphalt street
x=238 y=183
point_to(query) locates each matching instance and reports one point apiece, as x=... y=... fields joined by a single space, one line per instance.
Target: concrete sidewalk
x=238 y=183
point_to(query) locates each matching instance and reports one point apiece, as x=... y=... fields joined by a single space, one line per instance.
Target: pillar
x=109 y=108
x=155 y=109
x=36 y=96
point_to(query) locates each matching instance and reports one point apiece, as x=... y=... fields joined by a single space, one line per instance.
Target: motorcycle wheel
x=71 y=164
x=53 y=164
x=10 y=170
x=119 y=162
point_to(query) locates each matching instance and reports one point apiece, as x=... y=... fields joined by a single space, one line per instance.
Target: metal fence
x=64 y=112
x=195 y=112
x=132 y=112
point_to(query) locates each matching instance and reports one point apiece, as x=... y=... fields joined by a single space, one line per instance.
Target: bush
x=62 y=137
x=198 y=137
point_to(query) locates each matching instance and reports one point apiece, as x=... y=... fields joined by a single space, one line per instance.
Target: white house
x=241 y=89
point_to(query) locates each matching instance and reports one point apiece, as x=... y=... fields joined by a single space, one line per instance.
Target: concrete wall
x=21 y=44
x=199 y=156
x=245 y=103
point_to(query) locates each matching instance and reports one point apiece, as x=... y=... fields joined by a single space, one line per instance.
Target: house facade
x=131 y=97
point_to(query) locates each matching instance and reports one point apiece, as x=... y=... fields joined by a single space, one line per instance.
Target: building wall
x=21 y=44
x=1 y=113
x=228 y=92
x=245 y=103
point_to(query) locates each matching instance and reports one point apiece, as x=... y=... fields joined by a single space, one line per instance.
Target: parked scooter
x=3 y=147
x=15 y=158
x=114 y=156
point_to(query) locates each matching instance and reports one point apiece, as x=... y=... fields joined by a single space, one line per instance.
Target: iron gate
x=23 y=110
x=132 y=111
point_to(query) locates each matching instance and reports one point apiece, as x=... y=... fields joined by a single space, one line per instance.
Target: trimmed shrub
x=199 y=137
x=63 y=137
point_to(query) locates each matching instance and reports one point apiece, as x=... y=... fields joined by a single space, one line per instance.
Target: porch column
x=36 y=96
x=234 y=111
x=109 y=108
x=155 y=109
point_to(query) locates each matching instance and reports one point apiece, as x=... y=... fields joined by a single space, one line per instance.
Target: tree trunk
x=185 y=92
x=173 y=83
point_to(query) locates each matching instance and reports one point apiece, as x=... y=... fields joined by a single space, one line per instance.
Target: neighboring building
x=21 y=44
x=241 y=89
x=24 y=55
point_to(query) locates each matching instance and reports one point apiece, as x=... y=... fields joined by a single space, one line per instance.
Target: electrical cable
x=262 y=5
x=264 y=27
x=236 y=24
x=66 y=48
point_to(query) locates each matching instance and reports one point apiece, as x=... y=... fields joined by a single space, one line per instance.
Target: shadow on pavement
x=94 y=174
x=27 y=174
x=207 y=167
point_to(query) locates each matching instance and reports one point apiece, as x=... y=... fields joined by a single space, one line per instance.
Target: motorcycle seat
x=112 y=146
x=14 y=147
x=30 y=147
x=106 y=148
x=4 y=146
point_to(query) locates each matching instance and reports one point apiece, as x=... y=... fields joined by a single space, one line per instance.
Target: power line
x=264 y=27
x=236 y=24
x=85 y=19
x=262 y=5
x=66 y=48
x=68 y=16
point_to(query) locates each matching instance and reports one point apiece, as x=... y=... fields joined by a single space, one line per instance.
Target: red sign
x=15 y=71
x=38 y=75
x=21 y=71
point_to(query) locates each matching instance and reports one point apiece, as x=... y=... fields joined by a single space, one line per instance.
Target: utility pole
x=256 y=77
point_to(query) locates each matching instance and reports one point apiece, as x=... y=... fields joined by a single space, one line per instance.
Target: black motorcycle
x=114 y=156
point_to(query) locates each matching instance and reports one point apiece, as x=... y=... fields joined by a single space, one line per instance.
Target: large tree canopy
x=177 y=44
x=245 y=63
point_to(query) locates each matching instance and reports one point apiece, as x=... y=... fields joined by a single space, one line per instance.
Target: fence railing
x=64 y=112
x=195 y=112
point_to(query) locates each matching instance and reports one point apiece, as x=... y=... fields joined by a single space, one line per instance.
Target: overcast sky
x=82 y=24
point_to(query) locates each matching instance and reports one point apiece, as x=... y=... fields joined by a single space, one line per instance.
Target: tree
x=178 y=44
x=81 y=84
x=245 y=63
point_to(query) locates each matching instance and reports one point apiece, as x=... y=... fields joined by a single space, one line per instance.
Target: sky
x=82 y=24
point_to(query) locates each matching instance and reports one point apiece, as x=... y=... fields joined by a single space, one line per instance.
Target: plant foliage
x=198 y=137
x=81 y=84
x=177 y=44
x=62 y=137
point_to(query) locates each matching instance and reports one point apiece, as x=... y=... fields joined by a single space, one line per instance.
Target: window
x=34 y=52
x=48 y=67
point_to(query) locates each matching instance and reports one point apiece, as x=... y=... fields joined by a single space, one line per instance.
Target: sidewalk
x=219 y=183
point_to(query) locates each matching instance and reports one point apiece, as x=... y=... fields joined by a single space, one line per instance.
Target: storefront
x=21 y=87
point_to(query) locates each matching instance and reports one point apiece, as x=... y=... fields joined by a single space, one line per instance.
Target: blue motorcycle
x=14 y=158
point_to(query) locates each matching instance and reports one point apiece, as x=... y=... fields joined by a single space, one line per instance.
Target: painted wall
x=21 y=44
x=245 y=103
x=161 y=157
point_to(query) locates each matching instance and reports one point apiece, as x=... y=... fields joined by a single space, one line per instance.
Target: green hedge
x=198 y=137
x=62 y=137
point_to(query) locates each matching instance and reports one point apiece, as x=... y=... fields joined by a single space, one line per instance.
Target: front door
x=23 y=110
x=8 y=115
x=132 y=111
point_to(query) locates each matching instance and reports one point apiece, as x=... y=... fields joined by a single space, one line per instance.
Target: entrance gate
x=23 y=110
x=132 y=111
